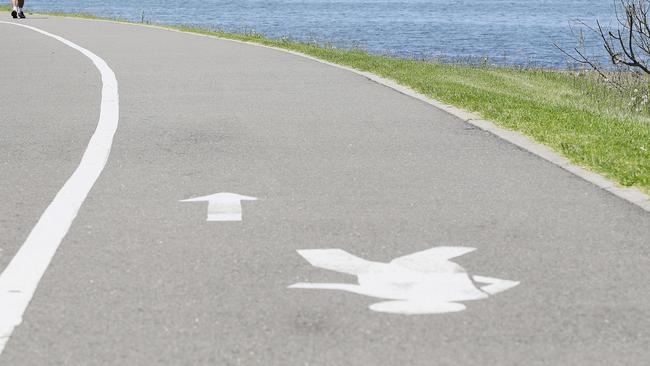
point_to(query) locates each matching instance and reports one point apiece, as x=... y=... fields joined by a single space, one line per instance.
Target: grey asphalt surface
x=337 y=161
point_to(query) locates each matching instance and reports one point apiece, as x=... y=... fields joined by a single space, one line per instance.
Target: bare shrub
x=627 y=44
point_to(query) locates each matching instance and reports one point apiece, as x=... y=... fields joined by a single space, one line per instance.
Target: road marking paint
x=19 y=280
x=223 y=206
x=494 y=285
x=425 y=282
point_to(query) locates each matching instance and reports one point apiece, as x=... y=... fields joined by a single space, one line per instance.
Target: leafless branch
x=627 y=45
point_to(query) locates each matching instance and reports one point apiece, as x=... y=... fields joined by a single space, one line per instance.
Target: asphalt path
x=336 y=161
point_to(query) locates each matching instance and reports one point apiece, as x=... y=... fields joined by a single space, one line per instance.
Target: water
x=512 y=32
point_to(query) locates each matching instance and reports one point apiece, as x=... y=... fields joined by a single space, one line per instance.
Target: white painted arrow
x=223 y=206
x=425 y=282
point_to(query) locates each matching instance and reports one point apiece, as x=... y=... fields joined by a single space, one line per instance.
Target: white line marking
x=425 y=282
x=19 y=280
x=630 y=194
x=223 y=206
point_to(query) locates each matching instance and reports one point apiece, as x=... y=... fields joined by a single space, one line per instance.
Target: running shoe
x=21 y=15
x=14 y=14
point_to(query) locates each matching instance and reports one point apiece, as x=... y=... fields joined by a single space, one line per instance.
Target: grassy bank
x=575 y=114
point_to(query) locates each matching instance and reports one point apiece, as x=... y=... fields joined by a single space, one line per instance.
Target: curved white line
x=21 y=277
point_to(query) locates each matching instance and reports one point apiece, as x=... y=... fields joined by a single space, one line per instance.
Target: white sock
x=15 y=8
x=20 y=10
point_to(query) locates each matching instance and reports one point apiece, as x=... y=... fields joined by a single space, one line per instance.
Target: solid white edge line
x=629 y=194
x=19 y=280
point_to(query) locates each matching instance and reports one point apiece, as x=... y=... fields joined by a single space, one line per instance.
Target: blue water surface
x=509 y=32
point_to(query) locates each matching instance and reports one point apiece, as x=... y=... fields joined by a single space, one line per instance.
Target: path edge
x=629 y=194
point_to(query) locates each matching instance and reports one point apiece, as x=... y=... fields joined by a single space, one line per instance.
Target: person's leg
x=14 y=8
x=21 y=3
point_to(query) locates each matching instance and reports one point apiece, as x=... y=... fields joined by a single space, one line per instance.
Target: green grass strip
x=576 y=114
